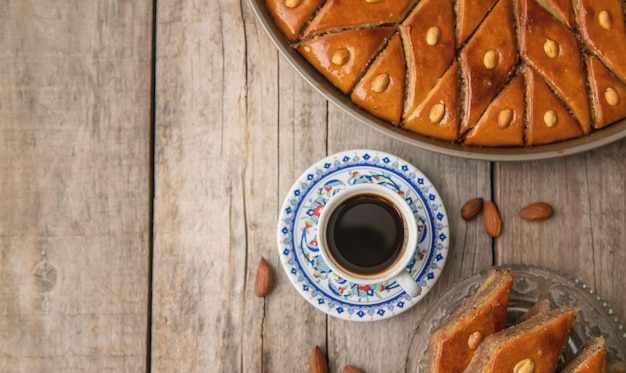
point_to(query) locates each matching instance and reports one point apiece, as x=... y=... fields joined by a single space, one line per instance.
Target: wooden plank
x=456 y=180
x=585 y=237
x=606 y=175
x=75 y=186
x=260 y=181
x=201 y=174
x=291 y=326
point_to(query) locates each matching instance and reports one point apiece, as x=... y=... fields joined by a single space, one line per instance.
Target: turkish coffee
x=365 y=234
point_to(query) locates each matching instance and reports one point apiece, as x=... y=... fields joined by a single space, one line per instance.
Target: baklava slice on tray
x=488 y=60
x=291 y=15
x=342 y=56
x=548 y=119
x=502 y=124
x=608 y=93
x=454 y=343
x=428 y=37
x=531 y=346
x=601 y=24
x=553 y=51
x=345 y=14
x=381 y=90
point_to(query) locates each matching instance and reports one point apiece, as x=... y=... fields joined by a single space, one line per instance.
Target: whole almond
x=433 y=35
x=491 y=219
x=341 y=57
x=380 y=83
x=264 y=279
x=536 y=211
x=550 y=118
x=474 y=340
x=490 y=59
x=437 y=112
x=292 y=3
x=504 y=118
x=317 y=361
x=604 y=20
x=471 y=208
x=524 y=366
x=611 y=96
x=551 y=48
x=351 y=369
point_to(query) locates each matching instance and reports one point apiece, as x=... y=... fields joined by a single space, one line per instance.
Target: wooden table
x=144 y=153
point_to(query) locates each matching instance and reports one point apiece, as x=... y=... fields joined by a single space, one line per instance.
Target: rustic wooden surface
x=132 y=220
x=74 y=185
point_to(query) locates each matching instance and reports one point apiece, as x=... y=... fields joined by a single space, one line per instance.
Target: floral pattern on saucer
x=297 y=234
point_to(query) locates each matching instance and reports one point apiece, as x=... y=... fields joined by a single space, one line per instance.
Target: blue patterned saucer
x=297 y=235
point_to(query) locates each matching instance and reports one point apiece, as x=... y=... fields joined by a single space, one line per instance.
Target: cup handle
x=409 y=284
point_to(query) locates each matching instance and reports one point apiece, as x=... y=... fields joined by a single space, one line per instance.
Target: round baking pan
x=594 y=140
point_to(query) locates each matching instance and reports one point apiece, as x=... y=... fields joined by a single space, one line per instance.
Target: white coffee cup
x=356 y=222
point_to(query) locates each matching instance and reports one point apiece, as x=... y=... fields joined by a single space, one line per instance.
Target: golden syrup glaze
x=342 y=14
x=489 y=132
x=601 y=80
x=426 y=63
x=387 y=103
x=483 y=82
x=609 y=45
x=359 y=45
x=291 y=20
x=540 y=100
x=565 y=71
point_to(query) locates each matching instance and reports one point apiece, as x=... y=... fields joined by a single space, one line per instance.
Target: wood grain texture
x=75 y=186
x=291 y=325
x=201 y=175
x=235 y=126
x=585 y=237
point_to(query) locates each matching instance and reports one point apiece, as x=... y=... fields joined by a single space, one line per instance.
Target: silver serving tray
x=596 y=139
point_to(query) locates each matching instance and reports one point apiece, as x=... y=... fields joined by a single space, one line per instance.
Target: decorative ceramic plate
x=297 y=234
x=531 y=284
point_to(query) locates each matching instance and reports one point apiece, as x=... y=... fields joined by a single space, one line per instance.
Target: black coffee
x=365 y=234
